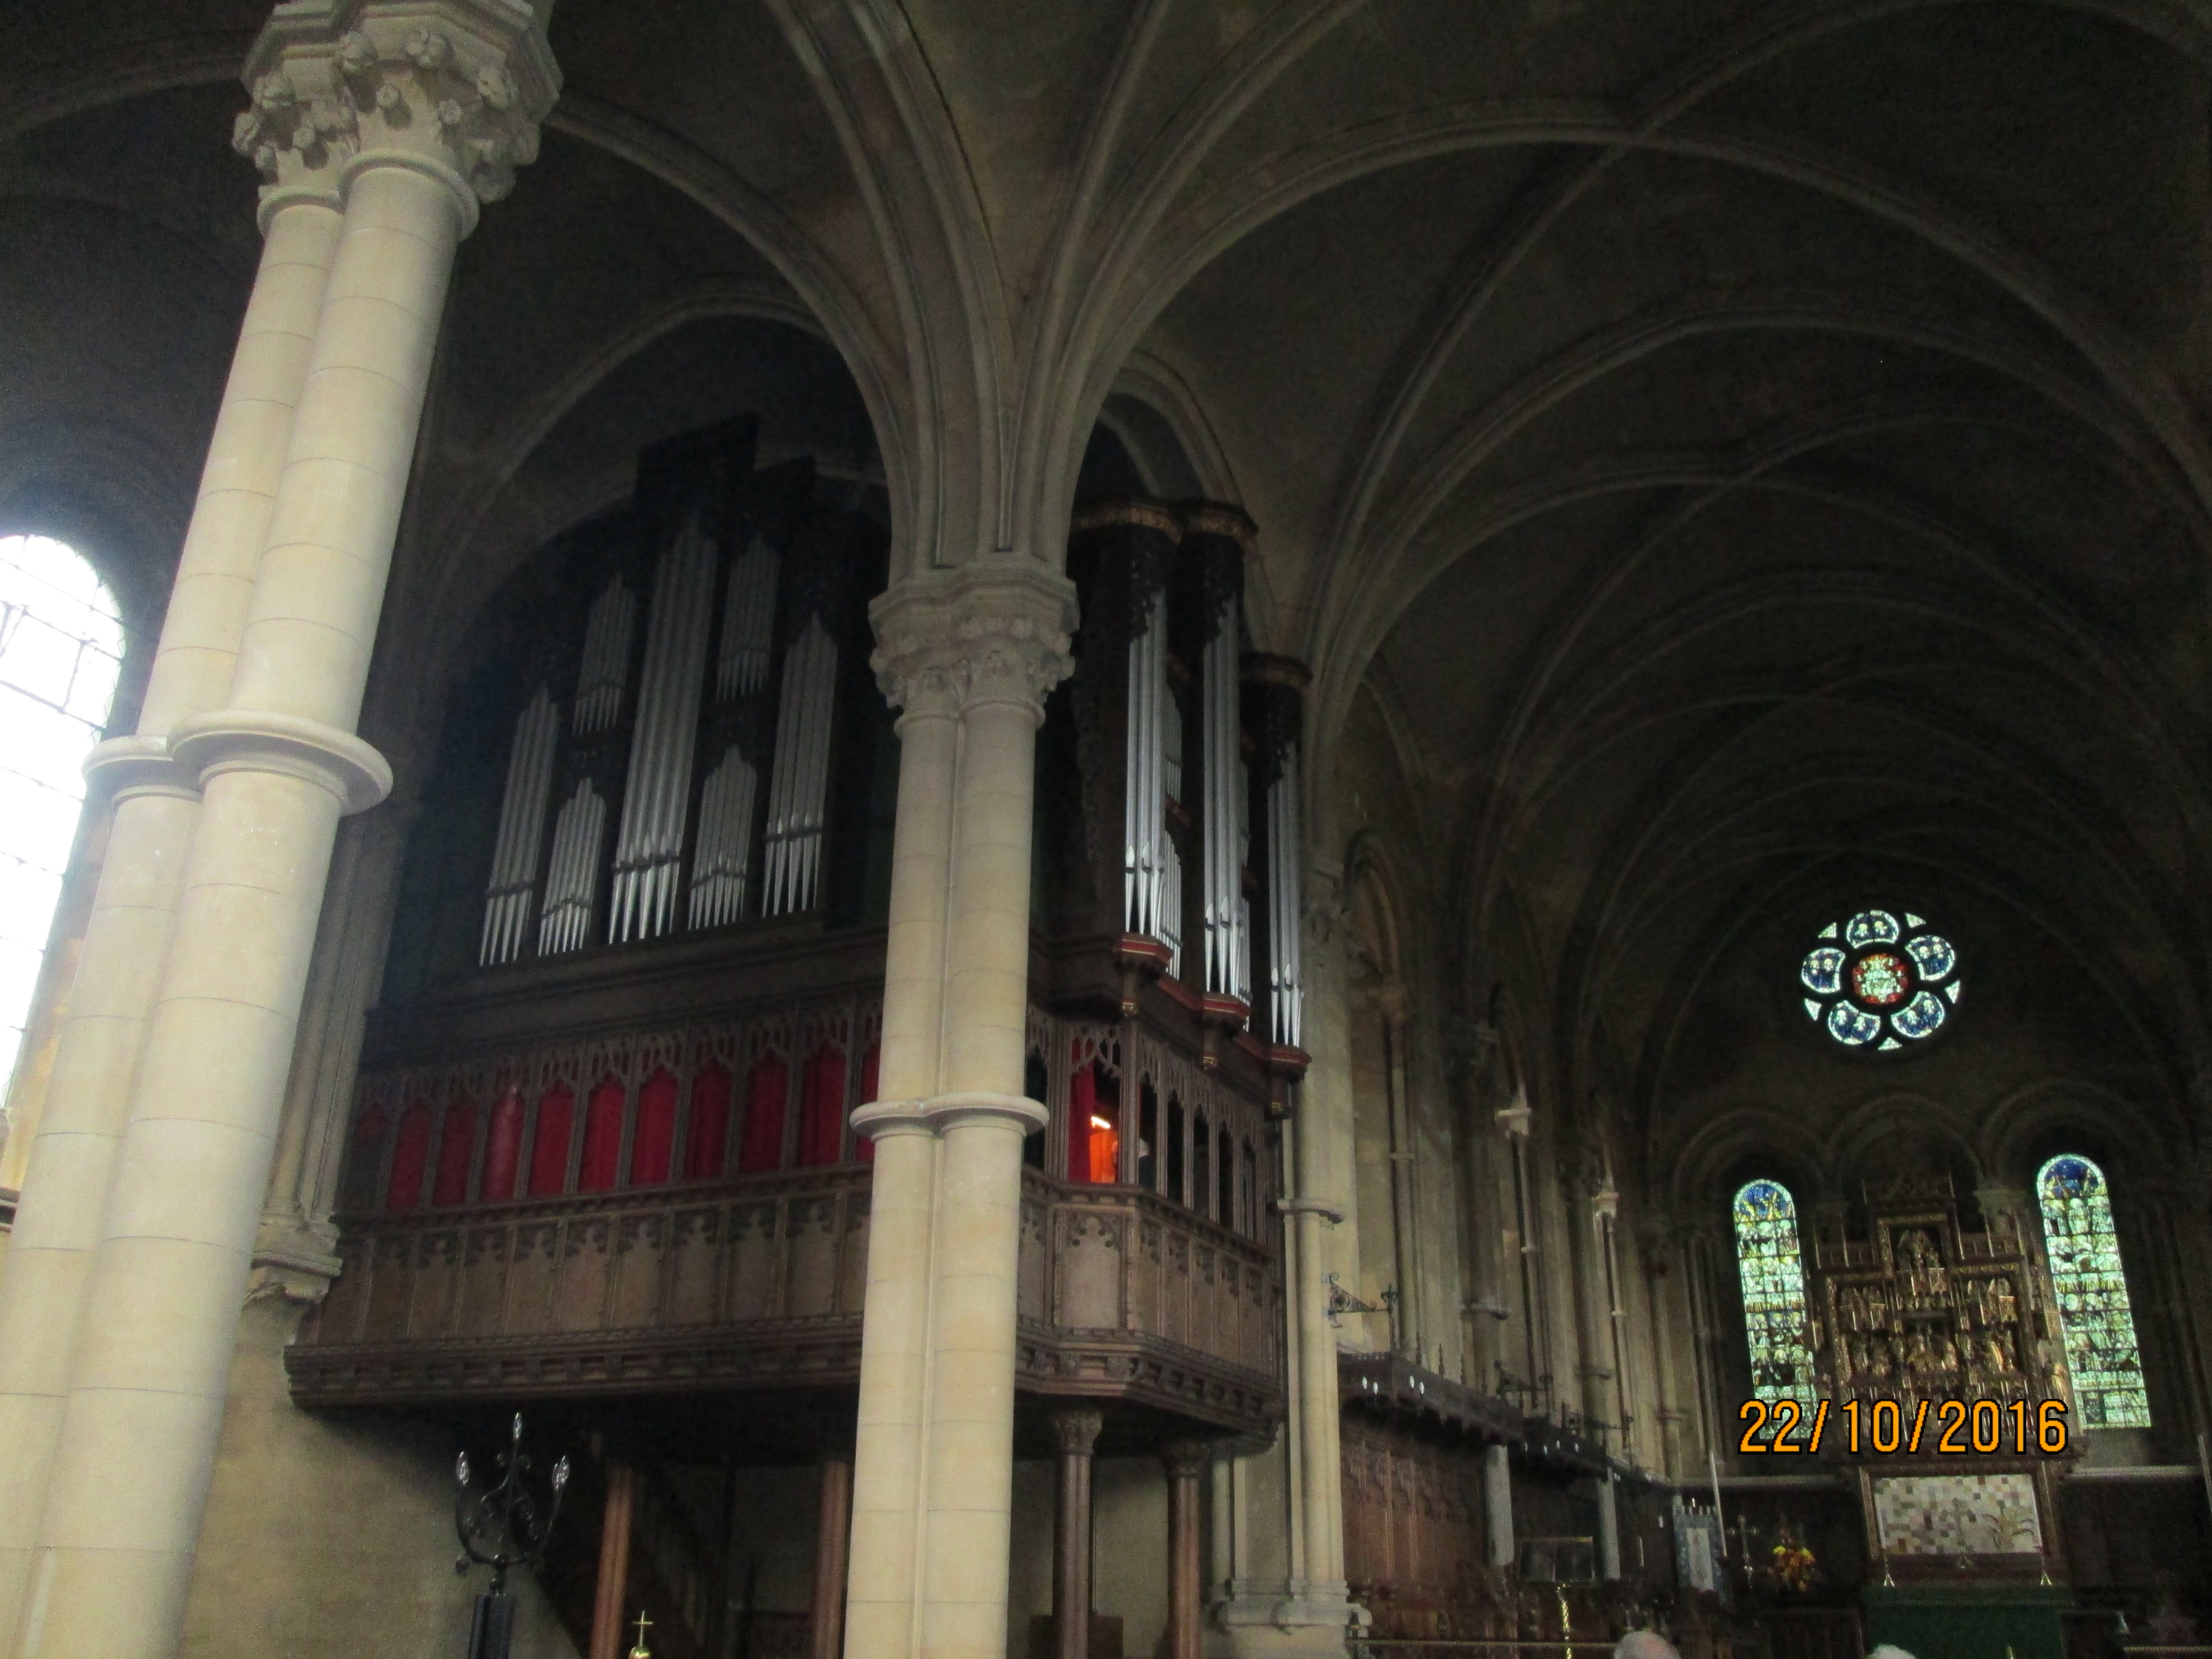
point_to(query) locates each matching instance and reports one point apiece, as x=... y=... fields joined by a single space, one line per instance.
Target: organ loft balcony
x=567 y=1183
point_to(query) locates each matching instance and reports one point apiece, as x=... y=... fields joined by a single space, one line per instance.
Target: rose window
x=1881 y=980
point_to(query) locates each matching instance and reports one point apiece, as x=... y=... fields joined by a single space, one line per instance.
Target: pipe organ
x=1274 y=689
x=1215 y=539
x=521 y=829
x=1178 y=735
x=672 y=689
x=602 y=1149
x=657 y=789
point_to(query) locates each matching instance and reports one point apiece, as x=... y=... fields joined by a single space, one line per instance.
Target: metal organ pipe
x=521 y=831
x=649 y=851
x=1243 y=846
x=572 y=883
x=1285 y=970
x=1227 y=959
x=748 y=623
x=721 y=861
x=1171 y=782
x=1145 y=837
x=798 y=784
x=605 y=669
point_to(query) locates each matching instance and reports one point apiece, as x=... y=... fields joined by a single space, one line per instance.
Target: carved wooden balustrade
x=686 y=1211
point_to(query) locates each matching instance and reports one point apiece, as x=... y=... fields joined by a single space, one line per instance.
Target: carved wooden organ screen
x=1131 y=1109
x=1188 y=745
x=764 y=1090
x=768 y=1090
x=677 y=702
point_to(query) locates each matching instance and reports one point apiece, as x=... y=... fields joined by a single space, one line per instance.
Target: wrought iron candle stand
x=501 y=1527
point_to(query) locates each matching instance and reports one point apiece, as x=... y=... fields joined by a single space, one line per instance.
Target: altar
x=1938 y=1356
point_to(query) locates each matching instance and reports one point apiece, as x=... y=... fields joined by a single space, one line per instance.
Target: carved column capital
x=953 y=639
x=1187 y=1460
x=1077 y=1430
x=455 y=89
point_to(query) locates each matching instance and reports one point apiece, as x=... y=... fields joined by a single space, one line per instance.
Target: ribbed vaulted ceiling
x=1748 y=458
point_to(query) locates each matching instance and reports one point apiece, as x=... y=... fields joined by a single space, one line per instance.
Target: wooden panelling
x=758 y=1281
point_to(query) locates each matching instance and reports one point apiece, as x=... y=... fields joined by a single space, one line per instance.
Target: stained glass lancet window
x=1773 y=1272
x=2093 y=1294
x=61 y=647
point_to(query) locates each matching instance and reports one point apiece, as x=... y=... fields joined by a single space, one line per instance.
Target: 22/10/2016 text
x=1952 y=1427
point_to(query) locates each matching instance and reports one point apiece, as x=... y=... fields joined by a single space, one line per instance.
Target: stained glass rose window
x=1881 y=980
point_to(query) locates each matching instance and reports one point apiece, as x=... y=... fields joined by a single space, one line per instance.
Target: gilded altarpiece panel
x=1937 y=1349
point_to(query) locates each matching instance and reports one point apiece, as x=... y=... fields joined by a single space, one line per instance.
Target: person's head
x=1887 y=1650
x=1644 y=1644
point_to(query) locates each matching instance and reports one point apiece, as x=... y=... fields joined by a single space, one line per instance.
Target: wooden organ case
x=600 y=1163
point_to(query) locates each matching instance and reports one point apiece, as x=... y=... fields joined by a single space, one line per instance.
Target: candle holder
x=502 y=1527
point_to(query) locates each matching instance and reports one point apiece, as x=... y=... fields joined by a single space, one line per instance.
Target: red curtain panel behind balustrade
x=655 y=1139
x=503 y=1148
x=603 y=1128
x=762 y=1149
x=706 y=1143
x=549 y=1147
x=410 y=1155
x=457 y=1151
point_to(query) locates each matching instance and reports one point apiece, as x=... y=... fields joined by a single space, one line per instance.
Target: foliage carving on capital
x=460 y=83
x=917 y=681
x=949 y=640
x=300 y=127
x=1010 y=658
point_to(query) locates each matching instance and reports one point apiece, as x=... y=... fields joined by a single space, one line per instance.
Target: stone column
x=1314 y=1610
x=933 y=1471
x=296 y=1248
x=156 y=805
x=1608 y=1529
x=1017 y=636
x=917 y=675
x=430 y=104
x=833 y=1537
x=1498 y=1504
x=881 y=1577
x=1078 y=1433
x=1655 y=1250
x=1315 y=1409
x=1705 y=1247
x=1185 y=1461
x=1410 y=1336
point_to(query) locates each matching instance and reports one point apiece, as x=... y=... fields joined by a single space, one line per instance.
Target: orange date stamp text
x=1958 y=1428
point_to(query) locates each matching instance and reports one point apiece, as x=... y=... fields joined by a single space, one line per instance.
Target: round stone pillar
x=424 y=108
x=933 y=1465
x=155 y=805
x=919 y=678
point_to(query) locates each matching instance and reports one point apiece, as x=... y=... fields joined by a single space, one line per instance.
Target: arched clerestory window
x=1771 y=1267
x=61 y=648
x=2092 y=1290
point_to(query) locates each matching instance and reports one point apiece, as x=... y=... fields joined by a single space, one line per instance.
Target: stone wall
x=332 y=1537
